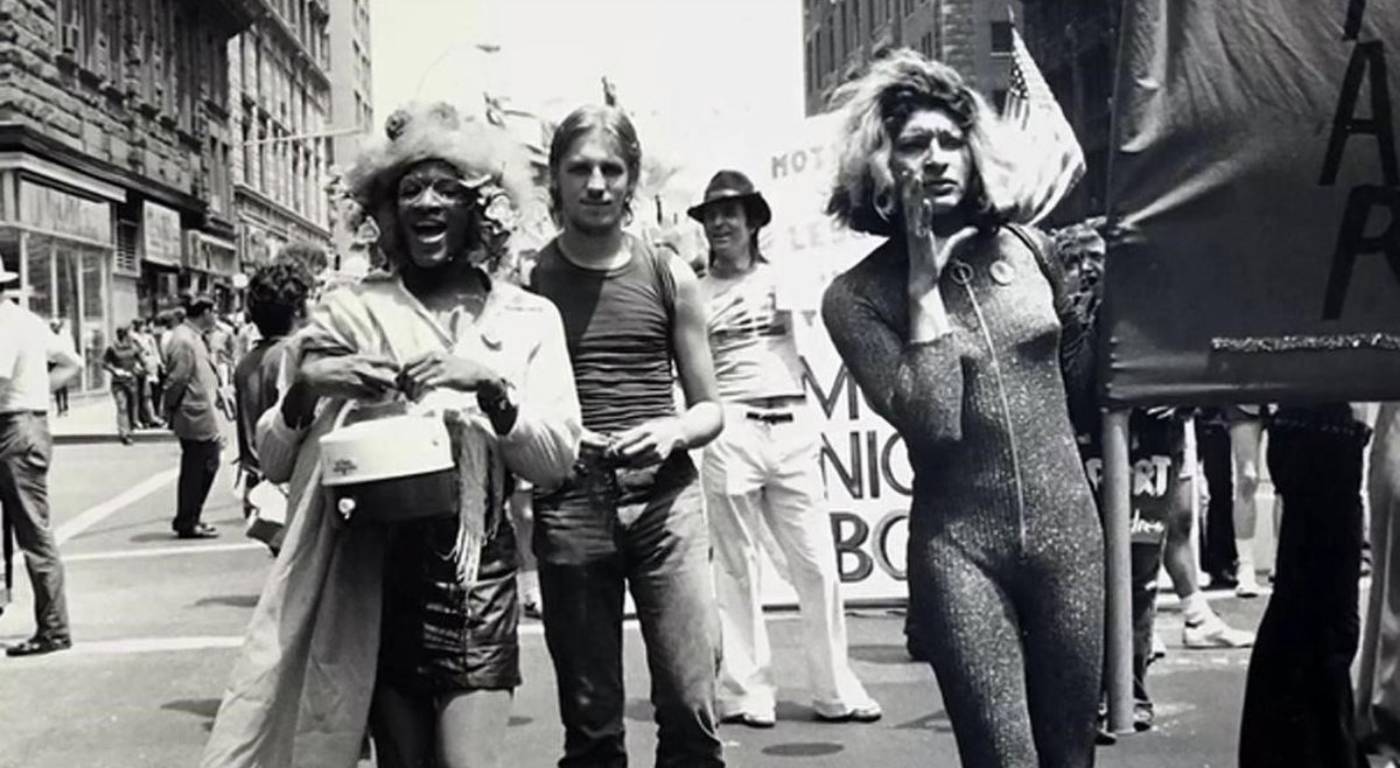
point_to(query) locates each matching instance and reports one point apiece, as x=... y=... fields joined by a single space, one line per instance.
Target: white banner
x=866 y=470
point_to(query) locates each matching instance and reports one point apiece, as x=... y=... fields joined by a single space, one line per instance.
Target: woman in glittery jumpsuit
x=951 y=330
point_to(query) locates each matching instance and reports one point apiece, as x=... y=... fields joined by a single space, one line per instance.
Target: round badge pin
x=1003 y=272
x=960 y=272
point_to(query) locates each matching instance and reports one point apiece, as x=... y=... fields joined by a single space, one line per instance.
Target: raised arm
x=916 y=384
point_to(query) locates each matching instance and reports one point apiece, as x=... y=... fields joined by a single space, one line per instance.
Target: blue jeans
x=25 y=451
x=605 y=529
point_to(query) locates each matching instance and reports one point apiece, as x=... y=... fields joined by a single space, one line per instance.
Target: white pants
x=759 y=478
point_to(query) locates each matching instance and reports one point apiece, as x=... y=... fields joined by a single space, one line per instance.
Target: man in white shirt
x=764 y=472
x=33 y=363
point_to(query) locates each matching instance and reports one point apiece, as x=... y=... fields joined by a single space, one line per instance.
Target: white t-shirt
x=26 y=347
x=751 y=340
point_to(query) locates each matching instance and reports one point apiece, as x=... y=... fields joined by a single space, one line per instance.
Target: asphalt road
x=157 y=623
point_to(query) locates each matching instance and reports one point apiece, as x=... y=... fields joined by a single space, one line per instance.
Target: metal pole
x=1118 y=672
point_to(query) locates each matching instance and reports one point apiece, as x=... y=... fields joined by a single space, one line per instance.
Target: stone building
x=840 y=36
x=352 y=104
x=114 y=148
x=279 y=75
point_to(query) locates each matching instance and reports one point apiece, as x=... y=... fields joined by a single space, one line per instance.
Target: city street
x=157 y=623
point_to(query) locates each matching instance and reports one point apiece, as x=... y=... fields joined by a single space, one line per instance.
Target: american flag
x=1049 y=160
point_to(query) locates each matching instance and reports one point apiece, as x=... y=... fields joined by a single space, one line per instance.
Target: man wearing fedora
x=191 y=397
x=761 y=476
x=33 y=363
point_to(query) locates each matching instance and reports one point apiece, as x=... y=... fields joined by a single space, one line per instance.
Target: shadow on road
x=881 y=654
x=203 y=708
x=146 y=538
x=232 y=601
x=937 y=721
x=803 y=749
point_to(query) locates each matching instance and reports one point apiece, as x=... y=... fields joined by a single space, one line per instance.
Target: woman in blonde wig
x=407 y=631
x=952 y=327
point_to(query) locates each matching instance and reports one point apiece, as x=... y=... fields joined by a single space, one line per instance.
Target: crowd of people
x=575 y=394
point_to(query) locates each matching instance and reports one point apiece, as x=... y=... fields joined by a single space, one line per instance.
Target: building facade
x=1075 y=42
x=280 y=106
x=841 y=36
x=114 y=146
x=352 y=106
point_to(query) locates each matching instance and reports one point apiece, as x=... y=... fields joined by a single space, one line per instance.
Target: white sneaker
x=1215 y=633
x=1159 y=648
x=1248 y=586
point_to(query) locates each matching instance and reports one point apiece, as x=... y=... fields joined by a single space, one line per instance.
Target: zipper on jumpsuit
x=966 y=282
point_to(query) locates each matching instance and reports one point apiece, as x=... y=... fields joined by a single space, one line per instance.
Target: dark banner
x=1255 y=251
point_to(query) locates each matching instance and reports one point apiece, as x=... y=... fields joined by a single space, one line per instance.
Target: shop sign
x=211 y=254
x=161 y=234
x=56 y=211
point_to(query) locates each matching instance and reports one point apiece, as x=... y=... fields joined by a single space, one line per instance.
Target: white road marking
x=214 y=642
x=106 y=509
x=130 y=554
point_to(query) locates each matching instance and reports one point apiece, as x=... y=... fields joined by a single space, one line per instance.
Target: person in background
x=1244 y=425
x=1298 y=705
x=169 y=320
x=311 y=256
x=149 y=396
x=33 y=363
x=122 y=361
x=276 y=297
x=950 y=327
x=60 y=395
x=1378 y=686
x=191 y=407
x=630 y=514
x=763 y=473
x=222 y=342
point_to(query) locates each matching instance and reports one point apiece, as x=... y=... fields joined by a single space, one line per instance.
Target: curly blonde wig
x=492 y=165
x=877 y=105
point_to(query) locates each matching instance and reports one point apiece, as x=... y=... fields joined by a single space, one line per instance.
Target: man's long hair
x=865 y=197
x=583 y=121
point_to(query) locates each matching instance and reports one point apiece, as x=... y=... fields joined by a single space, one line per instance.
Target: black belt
x=769 y=418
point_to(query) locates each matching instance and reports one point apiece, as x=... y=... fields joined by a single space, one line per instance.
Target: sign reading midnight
x=1255 y=244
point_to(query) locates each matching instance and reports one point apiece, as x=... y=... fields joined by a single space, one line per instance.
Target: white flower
x=501 y=210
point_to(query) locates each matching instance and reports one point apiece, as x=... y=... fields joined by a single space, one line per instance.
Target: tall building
x=1075 y=42
x=352 y=93
x=114 y=147
x=279 y=71
x=840 y=36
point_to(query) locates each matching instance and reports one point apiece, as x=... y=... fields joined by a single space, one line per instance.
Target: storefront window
x=68 y=282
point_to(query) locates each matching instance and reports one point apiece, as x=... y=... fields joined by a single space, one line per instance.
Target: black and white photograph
x=699 y=383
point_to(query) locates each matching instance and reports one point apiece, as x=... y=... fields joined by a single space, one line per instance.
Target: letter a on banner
x=1254 y=258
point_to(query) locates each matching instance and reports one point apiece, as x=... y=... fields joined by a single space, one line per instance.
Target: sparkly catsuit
x=1005 y=548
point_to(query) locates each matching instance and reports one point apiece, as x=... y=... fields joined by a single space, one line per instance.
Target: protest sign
x=1255 y=223
x=864 y=466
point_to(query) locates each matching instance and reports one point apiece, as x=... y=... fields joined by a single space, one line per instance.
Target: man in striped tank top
x=630 y=514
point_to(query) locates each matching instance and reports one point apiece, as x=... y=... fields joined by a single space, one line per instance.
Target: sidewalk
x=93 y=419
